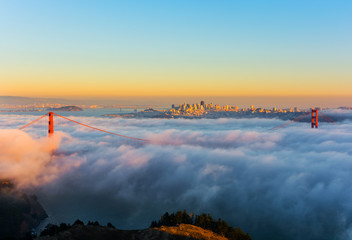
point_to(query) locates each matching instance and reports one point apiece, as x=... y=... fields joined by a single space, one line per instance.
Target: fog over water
x=294 y=183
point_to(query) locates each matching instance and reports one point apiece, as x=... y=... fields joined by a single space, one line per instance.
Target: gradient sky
x=175 y=48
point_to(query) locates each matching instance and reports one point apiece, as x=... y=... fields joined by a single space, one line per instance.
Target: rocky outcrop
x=19 y=212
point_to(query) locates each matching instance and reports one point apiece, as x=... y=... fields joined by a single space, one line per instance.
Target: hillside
x=174 y=226
x=192 y=232
x=203 y=221
x=93 y=232
x=19 y=212
x=67 y=109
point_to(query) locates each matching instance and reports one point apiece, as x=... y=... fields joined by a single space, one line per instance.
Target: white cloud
x=288 y=184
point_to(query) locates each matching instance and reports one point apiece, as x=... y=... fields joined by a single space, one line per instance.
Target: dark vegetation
x=19 y=212
x=204 y=221
x=52 y=229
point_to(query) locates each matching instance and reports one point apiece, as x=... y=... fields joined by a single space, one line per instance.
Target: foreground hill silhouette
x=204 y=221
x=179 y=226
x=19 y=212
x=91 y=232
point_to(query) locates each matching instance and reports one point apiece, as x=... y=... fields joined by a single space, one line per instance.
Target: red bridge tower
x=315 y=118
x=51 y=124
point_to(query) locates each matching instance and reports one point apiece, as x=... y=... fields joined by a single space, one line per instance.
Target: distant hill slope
x=67 y=109
x=28 y=100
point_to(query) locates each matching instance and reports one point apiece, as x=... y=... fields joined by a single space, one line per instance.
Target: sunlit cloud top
x=294 y=183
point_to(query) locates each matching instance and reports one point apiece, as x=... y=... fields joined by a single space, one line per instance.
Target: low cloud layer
x=29 y=162
x=288 y=184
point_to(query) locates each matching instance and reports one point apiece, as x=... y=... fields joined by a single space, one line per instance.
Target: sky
x=292 y=184
x=107 y=48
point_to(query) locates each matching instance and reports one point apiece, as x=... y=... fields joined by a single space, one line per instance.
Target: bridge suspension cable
x=144 y=140
x=36 y=120
x=291 y=121
x=328 y=119
x=301 y=117
x=101 y=130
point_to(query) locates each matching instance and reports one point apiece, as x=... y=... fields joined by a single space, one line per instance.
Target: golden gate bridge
x=51 y=126
x=314 y=119
x=314 y=124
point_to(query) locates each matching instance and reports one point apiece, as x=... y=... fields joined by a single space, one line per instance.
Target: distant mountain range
x=28 y=100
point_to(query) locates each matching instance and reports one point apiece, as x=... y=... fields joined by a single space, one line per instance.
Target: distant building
x=202 y=103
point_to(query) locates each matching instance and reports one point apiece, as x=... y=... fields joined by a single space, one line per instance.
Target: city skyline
x=164 y=102
x=157 y=49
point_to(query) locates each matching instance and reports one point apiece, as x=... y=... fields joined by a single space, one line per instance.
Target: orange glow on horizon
x=110 y=84
x=161 y=91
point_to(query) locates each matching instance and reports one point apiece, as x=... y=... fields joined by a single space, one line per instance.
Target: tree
x=204 y=221
x=78 y=222
x=110 y=225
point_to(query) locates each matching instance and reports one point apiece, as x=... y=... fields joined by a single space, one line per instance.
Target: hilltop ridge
x=94 y=232
x=175 y=226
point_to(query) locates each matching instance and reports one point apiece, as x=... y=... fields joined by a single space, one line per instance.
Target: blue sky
x=245 y=45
